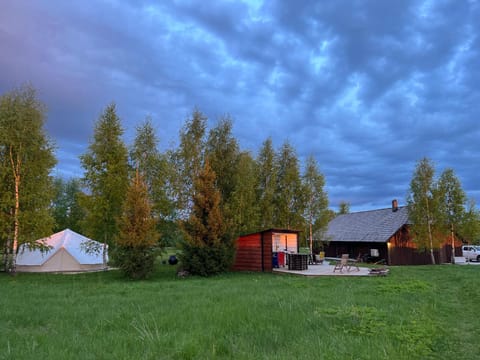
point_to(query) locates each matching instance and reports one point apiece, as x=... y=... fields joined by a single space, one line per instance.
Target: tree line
x=439 y=209
x=200 y=195
x=265 y=190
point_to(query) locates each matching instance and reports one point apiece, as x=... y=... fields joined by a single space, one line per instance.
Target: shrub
x=135 y=262
x=207 y=260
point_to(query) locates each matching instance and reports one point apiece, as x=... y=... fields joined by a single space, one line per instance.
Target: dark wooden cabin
x=381 y=235
x=254 y=251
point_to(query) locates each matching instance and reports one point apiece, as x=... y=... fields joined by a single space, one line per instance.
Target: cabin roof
x=367 y=226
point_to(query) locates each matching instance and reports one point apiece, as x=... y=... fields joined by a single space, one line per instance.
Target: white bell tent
x=66 y=251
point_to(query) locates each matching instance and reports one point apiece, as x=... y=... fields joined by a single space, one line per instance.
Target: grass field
x=426 y=312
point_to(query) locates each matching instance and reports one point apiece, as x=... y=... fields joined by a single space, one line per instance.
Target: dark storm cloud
x=367 y=87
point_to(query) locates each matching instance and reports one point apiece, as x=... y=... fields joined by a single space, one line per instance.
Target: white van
x=471 y=252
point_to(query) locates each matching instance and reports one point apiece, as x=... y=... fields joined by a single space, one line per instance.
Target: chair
x=343 y=262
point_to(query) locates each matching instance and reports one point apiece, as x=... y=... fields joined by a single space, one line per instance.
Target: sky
x=366 y=87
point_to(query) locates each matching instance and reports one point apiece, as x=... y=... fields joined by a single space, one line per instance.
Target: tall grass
x=414 y=313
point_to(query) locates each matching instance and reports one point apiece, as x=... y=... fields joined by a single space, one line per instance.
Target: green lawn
x=414 y=313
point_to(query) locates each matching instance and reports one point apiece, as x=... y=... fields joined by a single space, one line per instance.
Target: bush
x=207 y=260
x=135 y=262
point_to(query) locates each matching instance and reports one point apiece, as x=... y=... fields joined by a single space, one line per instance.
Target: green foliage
x=186 y=162
x=438 y=208
x=244 y=206
x=424 y=208
x=289 y=195
x=105 y=177
x=135 y=262
x=222 y=151
x=208 y=247
x=469 y=228
x=137 y=239
x=316 y=199
x=26 y=160
x=154 y=167
x=343 y=208
x=66 y=209
x=267 y=183
x=452 y=198
x=207 y=260
x=460 y=214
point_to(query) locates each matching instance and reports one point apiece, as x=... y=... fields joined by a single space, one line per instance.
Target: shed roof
x=275 y=230
x=367 y=226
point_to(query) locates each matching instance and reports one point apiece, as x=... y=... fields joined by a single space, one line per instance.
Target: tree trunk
x=16 y=214
x=453 y=244
x=431 y=244
x=105 y=253
x=311 y=239
x=430 y=237
x=16 y=228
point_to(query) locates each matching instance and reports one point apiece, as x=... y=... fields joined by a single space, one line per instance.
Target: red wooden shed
x=254 y=251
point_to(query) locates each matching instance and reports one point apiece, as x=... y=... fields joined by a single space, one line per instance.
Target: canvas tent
x=67 y=253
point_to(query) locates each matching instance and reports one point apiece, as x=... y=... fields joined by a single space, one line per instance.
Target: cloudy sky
x=367 y=87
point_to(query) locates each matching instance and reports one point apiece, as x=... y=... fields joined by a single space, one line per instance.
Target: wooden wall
x=249 y=253
x=254 y=251
x=267 y=250
x=403 y=251
x=400 y=251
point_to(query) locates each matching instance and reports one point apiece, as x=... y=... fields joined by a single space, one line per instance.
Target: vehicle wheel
x=478 y=258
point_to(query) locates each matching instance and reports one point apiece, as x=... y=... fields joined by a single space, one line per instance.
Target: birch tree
x=423 y=206
x=452 y=201
x=316 y=199
x=26 y=160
